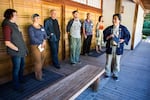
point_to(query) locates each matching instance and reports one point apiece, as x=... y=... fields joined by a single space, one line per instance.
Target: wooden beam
x=141 y=3
x=136 y=1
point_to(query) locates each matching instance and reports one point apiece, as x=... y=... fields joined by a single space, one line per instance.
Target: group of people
x=38 y=35
x=75 y=27
x=115 y=36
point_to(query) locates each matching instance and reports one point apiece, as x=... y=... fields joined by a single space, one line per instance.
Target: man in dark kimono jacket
x=115 y=37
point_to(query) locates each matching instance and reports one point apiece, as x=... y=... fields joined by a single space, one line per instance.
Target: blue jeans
x=54 y=52
x=18 y=67
x=75 y=48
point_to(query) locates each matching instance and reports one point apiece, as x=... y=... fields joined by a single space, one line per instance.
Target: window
x=93 y=3
x=80 y=1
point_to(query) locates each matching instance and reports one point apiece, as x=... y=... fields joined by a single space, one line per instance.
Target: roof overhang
x=145 y=4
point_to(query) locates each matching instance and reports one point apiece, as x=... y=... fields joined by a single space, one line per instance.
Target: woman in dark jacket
x=16 y=47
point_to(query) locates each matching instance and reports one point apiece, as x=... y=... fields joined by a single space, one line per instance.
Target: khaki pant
x=38 y=58
x=112 y=59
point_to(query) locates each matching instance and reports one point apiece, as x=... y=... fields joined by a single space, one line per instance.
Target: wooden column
x=63 y=32
x=134 y=26
x=118 y=6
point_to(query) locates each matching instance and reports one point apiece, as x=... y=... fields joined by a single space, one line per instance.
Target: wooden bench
x=73 y=85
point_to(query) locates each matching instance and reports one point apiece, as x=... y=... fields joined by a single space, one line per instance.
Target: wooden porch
x=133 y=81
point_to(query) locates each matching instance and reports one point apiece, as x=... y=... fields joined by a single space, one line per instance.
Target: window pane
x=93 y=3
x=80 y=1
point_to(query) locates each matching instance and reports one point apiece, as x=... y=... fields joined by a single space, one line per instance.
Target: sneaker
x=106 y=76
x=73 y=64
x=23 y=81
x=40 y=80
x=57 y=66
x=115 y=78
x=79 y=62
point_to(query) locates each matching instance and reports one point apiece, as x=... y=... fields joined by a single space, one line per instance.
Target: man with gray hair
x=53 y=32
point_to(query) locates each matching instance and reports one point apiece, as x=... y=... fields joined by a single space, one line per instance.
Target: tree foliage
x=146 y=25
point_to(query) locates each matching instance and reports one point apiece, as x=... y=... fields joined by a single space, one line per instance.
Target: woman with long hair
x=99 y=34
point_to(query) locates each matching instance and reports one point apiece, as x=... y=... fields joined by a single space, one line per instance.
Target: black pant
x=87 y=44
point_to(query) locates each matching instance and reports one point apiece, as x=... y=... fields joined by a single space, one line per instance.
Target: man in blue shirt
x=87 y=32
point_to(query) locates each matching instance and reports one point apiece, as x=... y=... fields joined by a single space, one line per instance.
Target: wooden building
x=26 y=8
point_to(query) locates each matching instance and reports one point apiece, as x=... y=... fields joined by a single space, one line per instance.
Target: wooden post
x=63 y=32
x=134 y=26
x=118 y=6
x=95 y=85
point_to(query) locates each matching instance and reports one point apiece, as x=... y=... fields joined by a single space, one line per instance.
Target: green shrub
x=146 y=24
x=146 y=31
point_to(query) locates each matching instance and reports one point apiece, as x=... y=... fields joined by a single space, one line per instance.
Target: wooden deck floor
x=134 y=78
x=67 y=68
